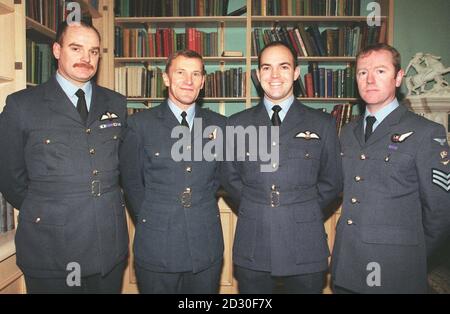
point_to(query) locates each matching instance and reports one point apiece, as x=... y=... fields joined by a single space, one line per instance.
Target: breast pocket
x=109 y=140
x=391 y=170
x=159 y=164
x=50 y=152
x=303 y=164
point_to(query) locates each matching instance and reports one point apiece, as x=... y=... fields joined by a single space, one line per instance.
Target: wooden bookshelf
x=39 y=32
x=159 y=60
x=88 y=9
x=6 y=6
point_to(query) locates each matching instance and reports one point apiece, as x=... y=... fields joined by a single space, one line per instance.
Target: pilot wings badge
x=308 y=135
x=108 y=116
x=399 y=138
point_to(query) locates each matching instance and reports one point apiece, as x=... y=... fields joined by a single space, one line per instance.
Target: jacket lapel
x=166 y=116
x=293 y=117
x=386 y=125
x=358 y=130
x=59 y=102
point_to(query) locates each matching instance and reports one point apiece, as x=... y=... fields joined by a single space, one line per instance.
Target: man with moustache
x=280 y=235
x=178 y=245
x=396 y=207
x=59 y=167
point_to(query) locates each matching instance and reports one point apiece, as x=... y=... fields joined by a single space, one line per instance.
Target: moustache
x=83 y=65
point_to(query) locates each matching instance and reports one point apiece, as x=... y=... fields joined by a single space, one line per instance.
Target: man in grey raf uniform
x=280 y=233
x=59 y=167
x=396 y=207
x=178 y=244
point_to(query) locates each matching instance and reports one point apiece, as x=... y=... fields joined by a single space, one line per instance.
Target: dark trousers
x=260 y=282
x=340 y=290
x=204 y=282
x=111 y=283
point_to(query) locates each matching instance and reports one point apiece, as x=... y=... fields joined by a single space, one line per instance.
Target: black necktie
x=276 y=121
x=81 y=105
x=184 y=121
x=370 y=120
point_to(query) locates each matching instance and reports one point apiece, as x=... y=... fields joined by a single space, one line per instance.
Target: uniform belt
x=95 y=187
x=275 y=196
x=187 y=198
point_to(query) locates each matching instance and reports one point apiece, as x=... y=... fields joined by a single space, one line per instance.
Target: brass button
x=387 y=158
x=115 y=137
x=156 y=154
x=188 y=147
x=189 y=169
x=357 y=178
x=247 y=154
x=363 y=157
x=274 y=143
x=38 y=220
x=144 y=220
x=92 y=151
x=342 y=154
x=274 y=165
x=274 y=187
x=188 y=189
x=349 y=222
x=123 y=205
x=307 y=156
x=354 y=200
x=95 y=172
x=88 y=131
x=47 y=141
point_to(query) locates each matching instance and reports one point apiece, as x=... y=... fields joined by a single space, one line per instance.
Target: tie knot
x=183 y=114
x=80 y=93
x=371 y=120
x=276 y=108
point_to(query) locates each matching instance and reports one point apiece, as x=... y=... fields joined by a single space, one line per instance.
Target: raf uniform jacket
x=174 y=203
x=396 y=205
x=280 y=220
x=63 y=177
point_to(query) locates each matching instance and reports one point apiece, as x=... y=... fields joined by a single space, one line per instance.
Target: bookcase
x=234 y=33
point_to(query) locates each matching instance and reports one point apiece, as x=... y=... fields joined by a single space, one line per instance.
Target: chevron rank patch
x=441 y=179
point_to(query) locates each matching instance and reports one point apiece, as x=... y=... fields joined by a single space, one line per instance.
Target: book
x=232 y=53
x=239 y=11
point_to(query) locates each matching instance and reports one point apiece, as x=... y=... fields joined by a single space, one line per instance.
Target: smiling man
x=59 y=167
x=280 y=234
x=178 y=243
x=396 y=208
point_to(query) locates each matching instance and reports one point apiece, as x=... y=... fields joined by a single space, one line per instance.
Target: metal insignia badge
x=444 y=154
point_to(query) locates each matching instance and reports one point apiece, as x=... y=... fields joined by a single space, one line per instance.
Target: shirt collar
x=177 y=112
x=381 y=114
x=70 y=89
x=285 y=105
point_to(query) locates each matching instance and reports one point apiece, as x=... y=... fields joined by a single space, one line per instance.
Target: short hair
x=62 y=29
x=396 y=59
x=278 y=44
x=187 y=53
